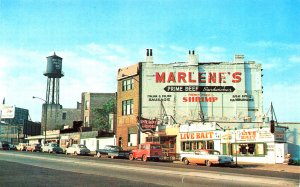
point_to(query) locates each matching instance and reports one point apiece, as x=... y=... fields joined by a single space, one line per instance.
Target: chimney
x=239 y=58
x=192 y=58
x=149 y=57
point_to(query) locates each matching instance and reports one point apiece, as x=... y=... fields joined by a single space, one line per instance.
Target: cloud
x=270 y=63
x=294 y=59
x=272 y=44
x=211 y=54
x=285 y=101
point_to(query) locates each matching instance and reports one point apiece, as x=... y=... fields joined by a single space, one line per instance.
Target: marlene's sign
x=200 y=77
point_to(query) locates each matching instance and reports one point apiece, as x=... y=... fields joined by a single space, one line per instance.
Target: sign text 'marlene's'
x=200 y=77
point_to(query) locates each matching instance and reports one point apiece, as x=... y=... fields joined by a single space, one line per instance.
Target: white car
x=207 y=157
x=52 y=148
x=78 y=149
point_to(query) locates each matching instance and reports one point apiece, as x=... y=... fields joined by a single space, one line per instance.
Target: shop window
x=259 y=149
x=210 y=144
x=202 y=145
x=172 y=144
x=152 y=139
x=248 y=149
x=185 y=146
x=194 y=145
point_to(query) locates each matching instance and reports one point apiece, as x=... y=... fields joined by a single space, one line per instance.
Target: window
x=248 y=149
x=87 y=105
x=86 y=121
x=64 y=115
x=127 y=84
x=127 y=107
x=194 y=145
x=210 y=144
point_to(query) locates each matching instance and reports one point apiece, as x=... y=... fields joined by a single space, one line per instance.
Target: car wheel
x=208 y=163
x=99 y=155
x=186 y=161
x=144 y=158
x=131 y=157
x=75 y=153
x=66 y=153
x=32 y=150
x=49 y=151
x=112 y=157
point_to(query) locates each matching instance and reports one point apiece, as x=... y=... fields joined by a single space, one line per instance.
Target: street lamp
x=139 y=109
x=45 y=108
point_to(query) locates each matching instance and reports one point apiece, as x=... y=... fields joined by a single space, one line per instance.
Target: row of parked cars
x=145 y=152
x=51 y=148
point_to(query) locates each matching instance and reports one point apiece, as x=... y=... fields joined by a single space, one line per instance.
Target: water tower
x=54 y=73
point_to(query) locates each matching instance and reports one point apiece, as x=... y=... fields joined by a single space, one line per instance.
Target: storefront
x=68 y=139
x=198 y=135
x=253 y=145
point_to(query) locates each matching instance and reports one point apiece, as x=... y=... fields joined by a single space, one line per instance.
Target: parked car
x=78 y=149
x=12 y=147
x=112 y=151
x=21 y=147
x=4 y=145
x=147 y=151
x=207 y=157
x=34 y=147
x=52 y=148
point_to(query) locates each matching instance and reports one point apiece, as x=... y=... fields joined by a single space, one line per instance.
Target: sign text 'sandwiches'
x=199 y=89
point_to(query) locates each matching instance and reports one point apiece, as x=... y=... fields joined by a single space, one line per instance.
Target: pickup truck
x=207 y=157
x=147 y=151
x=112 y=151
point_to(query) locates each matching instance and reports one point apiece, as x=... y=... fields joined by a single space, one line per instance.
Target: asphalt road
x=37 y=169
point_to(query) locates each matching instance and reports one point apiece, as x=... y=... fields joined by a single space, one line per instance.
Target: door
x=279 y=153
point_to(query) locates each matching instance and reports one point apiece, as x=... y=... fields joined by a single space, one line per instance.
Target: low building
x=93 y=101
x=15 y=124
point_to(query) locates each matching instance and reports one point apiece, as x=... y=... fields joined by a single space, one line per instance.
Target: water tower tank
x=54 y=67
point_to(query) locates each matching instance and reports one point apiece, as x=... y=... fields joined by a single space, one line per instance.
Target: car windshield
x=213 y=152
x=54 y=145
x=155 y=147
x=116 y=148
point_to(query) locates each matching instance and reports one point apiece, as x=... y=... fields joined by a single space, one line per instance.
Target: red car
x=34 y=147
x=147 y=151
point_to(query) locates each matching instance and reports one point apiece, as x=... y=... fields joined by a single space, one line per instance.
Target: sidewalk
x=271 y=167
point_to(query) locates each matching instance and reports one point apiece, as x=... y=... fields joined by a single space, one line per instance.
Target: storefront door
x=279 y=153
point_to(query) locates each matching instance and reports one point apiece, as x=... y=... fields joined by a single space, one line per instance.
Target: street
x=38 y=169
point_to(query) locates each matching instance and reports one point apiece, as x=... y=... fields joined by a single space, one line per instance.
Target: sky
x=97 y=37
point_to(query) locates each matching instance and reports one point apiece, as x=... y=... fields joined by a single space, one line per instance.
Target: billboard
x=7 y=112
x=221 y=91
